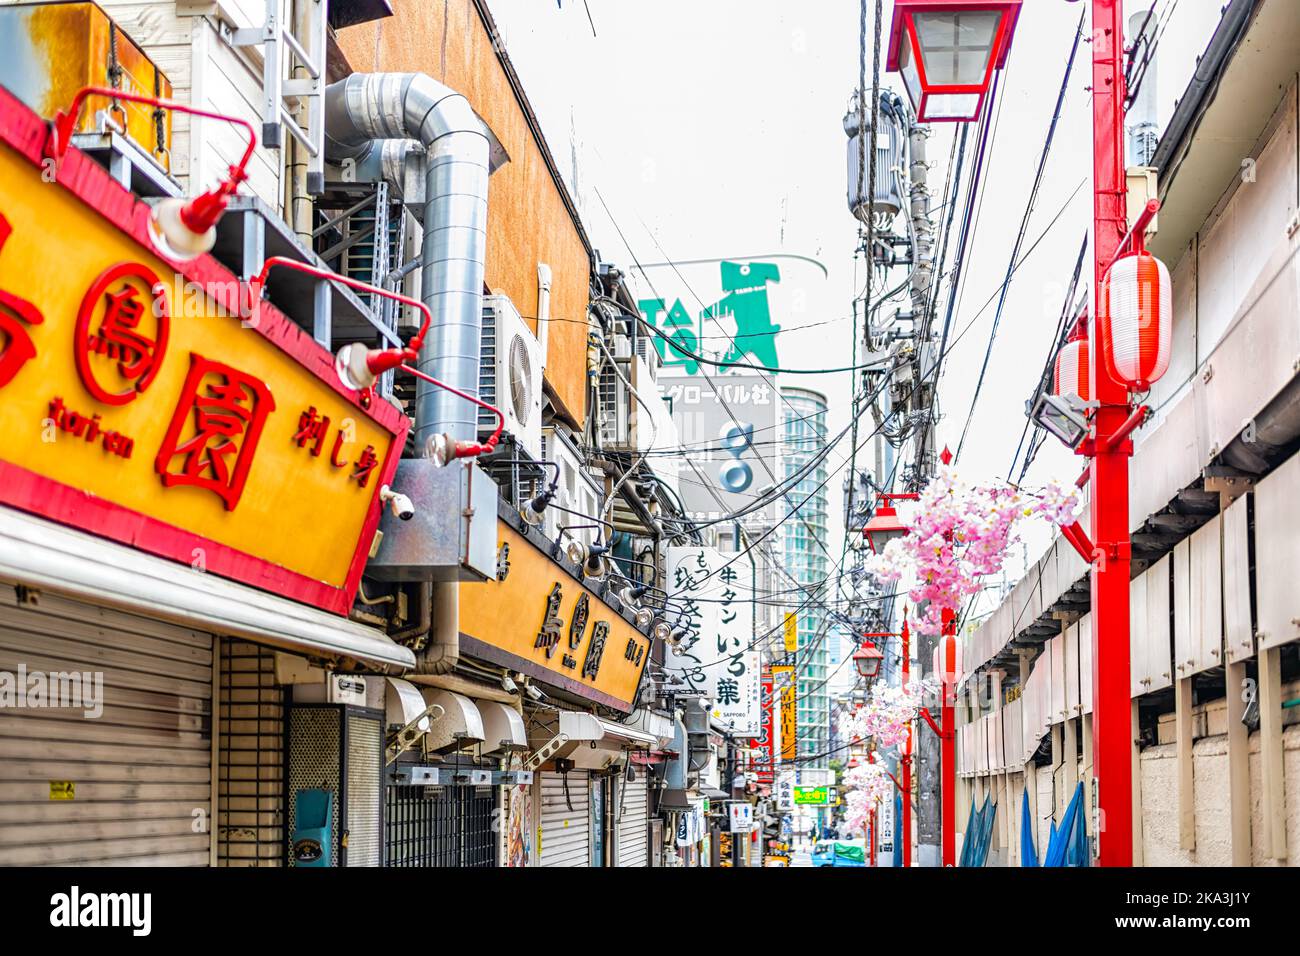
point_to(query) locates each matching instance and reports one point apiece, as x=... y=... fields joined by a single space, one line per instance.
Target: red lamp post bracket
x=925 y=714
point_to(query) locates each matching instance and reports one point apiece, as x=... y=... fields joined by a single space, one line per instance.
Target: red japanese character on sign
x=312 y=427
x=117 y=348
x=229 y=409
x=15 y=344
x=364 y=465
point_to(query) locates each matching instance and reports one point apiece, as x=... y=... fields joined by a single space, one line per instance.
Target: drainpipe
x=363 y=113
x=544 y=310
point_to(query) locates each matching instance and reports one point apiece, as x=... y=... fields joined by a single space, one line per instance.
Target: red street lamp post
x=906 y=823
x=936 y=46
x=1111 y=707
x=947 y=667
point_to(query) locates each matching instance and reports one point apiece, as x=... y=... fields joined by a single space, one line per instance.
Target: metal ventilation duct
x=363 y=111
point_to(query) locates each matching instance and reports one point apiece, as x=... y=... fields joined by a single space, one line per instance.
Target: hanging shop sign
x=791 y=633
x=692 y=825
x=763 y=747
x=718 y=655
x=140 y=403
x=731 y=427
x=813 y=796
x=783 y=676
x=785 y=791
x=541 y=621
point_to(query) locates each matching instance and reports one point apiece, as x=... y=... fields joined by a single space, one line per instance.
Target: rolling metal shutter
x=633 y=825
x=365 y=742
x=131 y=786
x=564 y=834
x=250 y=735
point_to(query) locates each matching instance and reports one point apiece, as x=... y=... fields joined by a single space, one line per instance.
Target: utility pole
x=1112 y=717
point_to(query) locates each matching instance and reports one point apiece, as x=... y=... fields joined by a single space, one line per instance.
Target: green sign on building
x=813 y=796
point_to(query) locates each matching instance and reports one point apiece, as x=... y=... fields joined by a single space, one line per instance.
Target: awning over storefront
x=659 y=726
x=591 y=742
x=45 y=555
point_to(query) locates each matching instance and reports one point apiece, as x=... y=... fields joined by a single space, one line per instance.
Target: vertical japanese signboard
x=730 y=431
x=785 y=684
x=785 y=790
x=717 y=654
x=791 y=633
x=764 y=745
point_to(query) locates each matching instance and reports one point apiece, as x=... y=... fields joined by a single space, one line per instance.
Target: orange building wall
x=528 y=221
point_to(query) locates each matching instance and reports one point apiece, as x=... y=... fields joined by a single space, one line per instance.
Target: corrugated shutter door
x=365 y=785
x=633 y=825
x=140 y=772
x=564 y=834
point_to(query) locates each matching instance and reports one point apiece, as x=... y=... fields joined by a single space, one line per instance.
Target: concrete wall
x=1210 y=765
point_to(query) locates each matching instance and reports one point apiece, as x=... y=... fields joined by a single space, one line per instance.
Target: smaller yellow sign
x=63 y=790
x=791 y=633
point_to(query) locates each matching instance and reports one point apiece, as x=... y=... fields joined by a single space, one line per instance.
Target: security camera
x=508 y=684
x=534 y=692
x=400 y=505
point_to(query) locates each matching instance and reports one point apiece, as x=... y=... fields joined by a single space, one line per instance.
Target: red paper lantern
x=947 y=660
x=1135 y=321
x=1071 y=377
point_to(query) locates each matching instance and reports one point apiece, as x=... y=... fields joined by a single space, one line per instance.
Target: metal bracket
x=545 y=752
x=404 y=739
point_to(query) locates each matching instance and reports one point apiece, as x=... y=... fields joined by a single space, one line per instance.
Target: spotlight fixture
x=1063 y=416
x=590 y=559
x=181 y=229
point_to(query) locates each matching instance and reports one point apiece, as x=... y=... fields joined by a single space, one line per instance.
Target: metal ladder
x=285 y=42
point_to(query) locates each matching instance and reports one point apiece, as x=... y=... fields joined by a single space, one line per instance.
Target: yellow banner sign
x=791 y=633
x=141 y=400
x=783 y=676
x=540 y=620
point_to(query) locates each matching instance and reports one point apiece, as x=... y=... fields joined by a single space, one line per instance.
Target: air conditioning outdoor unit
x=577 y=490
x=615 y=406
x=647 y=353
x=510 y=375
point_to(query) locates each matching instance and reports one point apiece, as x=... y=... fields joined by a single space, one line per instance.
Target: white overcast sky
x=713 y=128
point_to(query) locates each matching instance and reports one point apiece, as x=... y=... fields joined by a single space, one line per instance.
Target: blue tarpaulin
x=1028 y=854
x=979 y=831
x=1070 y=839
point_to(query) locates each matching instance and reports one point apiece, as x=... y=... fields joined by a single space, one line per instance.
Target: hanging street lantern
x=947 y=50
x=867 y=660
x=1135 y=320
x=885 y=524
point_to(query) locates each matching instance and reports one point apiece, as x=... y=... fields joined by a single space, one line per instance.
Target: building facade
x=293 y=616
